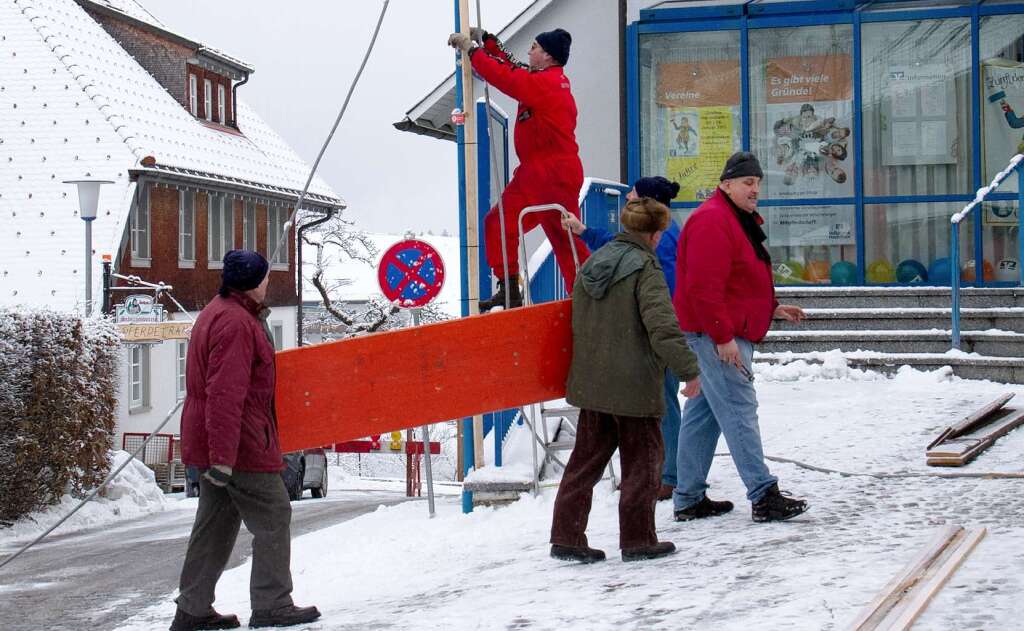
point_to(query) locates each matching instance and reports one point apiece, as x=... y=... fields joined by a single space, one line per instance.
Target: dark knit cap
x=243 y=270
x=658 y=188
x=741 y=164
x=556 y=43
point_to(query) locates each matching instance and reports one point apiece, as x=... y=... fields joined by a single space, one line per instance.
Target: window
x=221 y=104
x=916 y=83
x=221 y=229
x=900 y=238
x=193 y=95
x=208 y=99
x=186 y=229
x=138 y=377
x=277 y=331
x=249 y=226
x=689 y=108
x=180 y=361
x=276 y=218
x=801 y=106
x=140 y=228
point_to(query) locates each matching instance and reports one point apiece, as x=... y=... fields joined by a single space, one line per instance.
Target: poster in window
x=1002 y=117
x=699 y=102
x=810 y=112
x=810 y=225
x=919 y=113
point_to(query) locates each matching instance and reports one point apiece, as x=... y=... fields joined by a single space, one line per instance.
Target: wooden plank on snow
x=959 y=451
x=972 y=420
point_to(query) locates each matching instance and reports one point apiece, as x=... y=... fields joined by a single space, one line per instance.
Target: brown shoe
x=665 y=492
x=644 y=553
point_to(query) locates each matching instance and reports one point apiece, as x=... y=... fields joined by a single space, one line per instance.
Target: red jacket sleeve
x=516 y=81
x=494 y=47
x=708 y=262
x=227 y=385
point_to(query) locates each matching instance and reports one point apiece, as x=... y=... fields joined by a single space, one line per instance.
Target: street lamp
x=88 y=200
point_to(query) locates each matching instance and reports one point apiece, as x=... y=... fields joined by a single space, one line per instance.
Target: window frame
x=180 y=363
x=139 y=366
x=193 y=94
x=277 y=216
x=221 y=104
x=141 y=235
x=220 y=208
x=208 y=99
x=184 y=236
x=249 y=224
x=277 y=333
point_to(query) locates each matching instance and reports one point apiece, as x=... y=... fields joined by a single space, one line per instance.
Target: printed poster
x=1002 y=118
x=810 y=225
x=920 y=111
x=809 y=103
x=699 y=105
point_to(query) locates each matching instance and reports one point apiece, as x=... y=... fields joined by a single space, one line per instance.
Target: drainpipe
x=298 y=267
x=234 y=100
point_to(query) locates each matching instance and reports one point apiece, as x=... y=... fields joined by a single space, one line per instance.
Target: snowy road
x=97 y=578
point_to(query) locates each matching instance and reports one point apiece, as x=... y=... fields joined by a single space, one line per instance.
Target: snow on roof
x=76 y=105
x=358 y=280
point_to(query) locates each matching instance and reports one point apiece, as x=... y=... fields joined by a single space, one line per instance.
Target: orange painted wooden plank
x=382 y=382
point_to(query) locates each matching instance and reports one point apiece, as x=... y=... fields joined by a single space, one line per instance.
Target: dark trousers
x=641 y=450
x=261 y=501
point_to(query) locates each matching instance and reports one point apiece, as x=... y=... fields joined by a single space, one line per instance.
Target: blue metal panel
x=858 y=152
x=803 y=19
x=632 y=102
x=745 y=85
x=807 y=6
x=1020 y=221
x=824 y=201
x=1000 y=9
x=979 y=256
x=916 y=14
x=684 y=27
x=692 y=13
x=915 y=199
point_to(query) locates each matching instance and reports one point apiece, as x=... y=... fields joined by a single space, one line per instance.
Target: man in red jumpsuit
x=549 y=170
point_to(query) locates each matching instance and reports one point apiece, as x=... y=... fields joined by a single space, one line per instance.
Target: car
x=305 y=470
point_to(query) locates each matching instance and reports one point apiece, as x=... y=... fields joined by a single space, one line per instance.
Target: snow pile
x=834 y=364
x=132 y=493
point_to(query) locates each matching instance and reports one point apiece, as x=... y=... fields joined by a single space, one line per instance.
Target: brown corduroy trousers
x=641 y=449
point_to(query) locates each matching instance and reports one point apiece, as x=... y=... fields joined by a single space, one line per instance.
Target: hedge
x=58 y=398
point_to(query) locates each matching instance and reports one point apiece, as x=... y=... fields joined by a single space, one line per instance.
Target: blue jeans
x=727 y=405
x=670 y=428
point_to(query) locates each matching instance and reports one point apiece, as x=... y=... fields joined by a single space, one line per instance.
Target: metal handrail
x=1016 y=163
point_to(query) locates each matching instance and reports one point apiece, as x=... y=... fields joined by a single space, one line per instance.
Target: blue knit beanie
x=657 y=188
x=556 y=43
x=243 y=270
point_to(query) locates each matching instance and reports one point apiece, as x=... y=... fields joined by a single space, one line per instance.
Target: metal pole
x=1020 y=221
x=416 y=314
x=106 y=287
x=88 y=267
x=954 y=283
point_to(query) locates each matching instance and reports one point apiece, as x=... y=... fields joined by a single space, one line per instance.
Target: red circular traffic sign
x=411 y=273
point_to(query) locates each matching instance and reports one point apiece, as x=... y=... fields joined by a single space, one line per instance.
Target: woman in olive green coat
x=625 y=333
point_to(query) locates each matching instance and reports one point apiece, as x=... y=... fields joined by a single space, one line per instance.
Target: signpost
x=411 y=274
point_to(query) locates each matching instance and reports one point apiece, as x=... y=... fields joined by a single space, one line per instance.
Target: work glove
x=477 y=34
x=461 y=41
x=218 y=475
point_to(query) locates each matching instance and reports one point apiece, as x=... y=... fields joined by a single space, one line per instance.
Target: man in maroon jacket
x=549 y=170
x=229 y=432
x=725 y=301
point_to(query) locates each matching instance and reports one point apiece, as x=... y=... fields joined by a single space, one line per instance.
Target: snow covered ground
x=132 y=493
x=396 y=568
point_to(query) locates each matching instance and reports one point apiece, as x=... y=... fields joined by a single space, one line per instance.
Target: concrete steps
x=883 y=328
x=992 y=343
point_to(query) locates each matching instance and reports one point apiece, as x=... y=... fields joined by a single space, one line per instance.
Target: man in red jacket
x=725 y=301
x=229 y=432
x=549 y=170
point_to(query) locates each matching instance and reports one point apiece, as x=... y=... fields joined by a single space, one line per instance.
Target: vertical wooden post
x=472 y=232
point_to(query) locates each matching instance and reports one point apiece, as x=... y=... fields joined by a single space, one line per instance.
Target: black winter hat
x=556 y=43
x=243 y=270
x=658 y=188
x=741 y=164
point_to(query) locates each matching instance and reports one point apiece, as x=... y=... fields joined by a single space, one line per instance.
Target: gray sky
x=306 y=55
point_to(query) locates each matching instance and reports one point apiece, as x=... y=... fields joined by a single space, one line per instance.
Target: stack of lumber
x=959 y=444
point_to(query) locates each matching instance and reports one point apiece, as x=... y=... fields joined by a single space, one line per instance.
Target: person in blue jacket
x=661 y=190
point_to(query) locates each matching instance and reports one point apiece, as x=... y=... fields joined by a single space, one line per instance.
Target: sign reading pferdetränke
x=157 y=331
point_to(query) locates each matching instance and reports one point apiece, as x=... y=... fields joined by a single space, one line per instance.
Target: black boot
x=187 y=622
x=515 y=295
x=283 y=616
x=704 y=508
x=658 y=550
x=583 y=554
x=776 y=505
